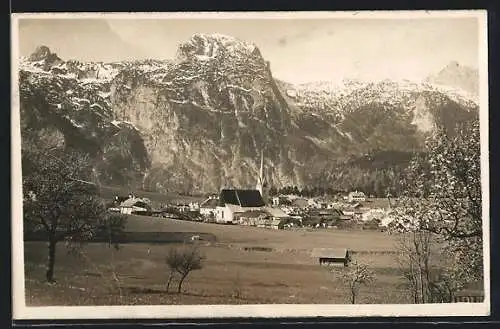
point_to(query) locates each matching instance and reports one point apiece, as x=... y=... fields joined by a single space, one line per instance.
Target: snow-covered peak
x=206 y=46
x=457 y=76
x=338 y=98
x=226 y=40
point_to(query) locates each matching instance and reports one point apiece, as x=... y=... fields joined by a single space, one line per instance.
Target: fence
x=468 y=299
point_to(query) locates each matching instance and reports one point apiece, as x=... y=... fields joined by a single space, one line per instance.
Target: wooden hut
x=328 y=256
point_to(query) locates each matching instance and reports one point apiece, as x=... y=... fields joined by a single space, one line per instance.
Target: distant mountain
x=457 y=76
x=93 y=37
x=200 y=121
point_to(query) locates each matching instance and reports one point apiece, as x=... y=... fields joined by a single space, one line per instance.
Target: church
x=233 y=202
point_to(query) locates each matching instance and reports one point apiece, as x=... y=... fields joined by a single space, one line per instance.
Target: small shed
x=328 y=256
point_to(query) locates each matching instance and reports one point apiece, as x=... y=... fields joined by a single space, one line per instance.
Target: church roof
x=243 y=198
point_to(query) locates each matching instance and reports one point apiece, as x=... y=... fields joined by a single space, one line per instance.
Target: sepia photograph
x=272 y=164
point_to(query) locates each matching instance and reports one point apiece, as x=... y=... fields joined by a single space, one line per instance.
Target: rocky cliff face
x=200 y=121
x=207 y=115
x=61 y=102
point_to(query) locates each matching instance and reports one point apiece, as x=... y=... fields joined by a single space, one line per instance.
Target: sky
x=299 y=50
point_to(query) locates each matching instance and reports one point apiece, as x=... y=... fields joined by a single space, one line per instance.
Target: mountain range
x=199 y=122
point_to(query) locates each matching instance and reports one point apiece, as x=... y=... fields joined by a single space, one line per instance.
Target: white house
x=347 y=212
x=133 y=205
x=194 y=206
x=356 y=196
x=208 y=207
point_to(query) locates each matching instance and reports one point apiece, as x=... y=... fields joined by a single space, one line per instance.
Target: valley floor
x=234 y=273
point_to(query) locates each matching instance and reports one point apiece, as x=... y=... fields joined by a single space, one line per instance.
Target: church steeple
x=261 y=181
x=260 y=178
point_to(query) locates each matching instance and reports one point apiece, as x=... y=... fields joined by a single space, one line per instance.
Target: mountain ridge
x=199 y=121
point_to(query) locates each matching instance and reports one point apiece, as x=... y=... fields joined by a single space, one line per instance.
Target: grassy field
x=234 y=272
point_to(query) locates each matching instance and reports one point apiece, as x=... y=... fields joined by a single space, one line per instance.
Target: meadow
x=243 y=265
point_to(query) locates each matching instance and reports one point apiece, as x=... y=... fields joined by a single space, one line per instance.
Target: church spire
x=260 y=179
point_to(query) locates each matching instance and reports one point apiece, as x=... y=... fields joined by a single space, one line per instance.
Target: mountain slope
x=200 y=121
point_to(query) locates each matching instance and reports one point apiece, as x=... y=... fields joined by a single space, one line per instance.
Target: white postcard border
x=21 y=311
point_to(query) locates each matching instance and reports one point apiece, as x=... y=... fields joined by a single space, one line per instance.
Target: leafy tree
x=443 y=196
x=60 y=201
x=183 y=261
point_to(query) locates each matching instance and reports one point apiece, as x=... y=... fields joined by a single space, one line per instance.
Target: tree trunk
x=51 y=260
x=170 y=281
x=180 y=283
x=353 y=295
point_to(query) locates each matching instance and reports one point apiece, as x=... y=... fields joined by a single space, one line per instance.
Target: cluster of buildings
x=249 y=207
x=353 y=206
x=245 y=206
x=131 y=205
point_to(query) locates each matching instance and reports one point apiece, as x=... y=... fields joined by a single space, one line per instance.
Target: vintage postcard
x=286 y=164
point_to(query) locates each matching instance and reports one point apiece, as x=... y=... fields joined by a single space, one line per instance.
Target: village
x=247 y=207
x=255 y=207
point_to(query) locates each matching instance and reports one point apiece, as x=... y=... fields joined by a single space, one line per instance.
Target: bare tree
x=183 y=261
x=237 y=291
x=353 y=277
x=426 y=267
x=414 y=259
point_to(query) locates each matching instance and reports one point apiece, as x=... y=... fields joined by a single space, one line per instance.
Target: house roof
x=209 y=203
x=329 y=253
x=276 y=212
x=133 y=201
x=250 y=214
x=331 y=212
x=300 y=202
x=243 y=198
x=356 y=194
